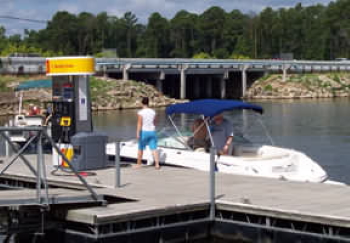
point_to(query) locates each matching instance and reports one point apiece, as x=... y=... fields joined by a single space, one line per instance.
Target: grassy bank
x=311 y=85
x=106 y=94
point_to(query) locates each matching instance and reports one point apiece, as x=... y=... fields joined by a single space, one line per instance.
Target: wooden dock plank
x=173 y=188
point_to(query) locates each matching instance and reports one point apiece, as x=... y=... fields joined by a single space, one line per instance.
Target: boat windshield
x=169 y=138
x=178 y=133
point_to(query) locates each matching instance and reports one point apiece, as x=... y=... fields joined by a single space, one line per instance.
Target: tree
x=156 y=39
x=267 y=34
x=61 y=34
x=235 y=24
x=314 y=42
x=338 y=29
x=313 y=32
x=86 y=35
x=211 y=25
x=129 y=26
x=183 y=34
x=3 y=40
x=30 y=38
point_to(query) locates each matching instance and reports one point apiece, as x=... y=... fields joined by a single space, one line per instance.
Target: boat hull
x=265 y=161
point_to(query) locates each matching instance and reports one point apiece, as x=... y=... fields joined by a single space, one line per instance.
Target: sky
x=45 y=9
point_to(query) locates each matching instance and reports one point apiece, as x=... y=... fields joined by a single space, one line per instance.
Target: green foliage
x=268 y=87
x=308 y=32
x=3 y=85
x=307 y=82
x=6 y=80
x=264 y=78
x=106 y=54
x=156 y=37
x=326 y=84
x=100 y=87
x=11 y=48
x=96 y=83
x=183 y=34
x=220 y=53
x=211 y=25
x=202 y=55
x=295 y=78
x=238 y=56
x=336 y=78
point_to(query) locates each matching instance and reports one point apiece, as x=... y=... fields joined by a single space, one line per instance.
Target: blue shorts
x=148 y=138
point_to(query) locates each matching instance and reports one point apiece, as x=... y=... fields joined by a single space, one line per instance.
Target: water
x=318 y=127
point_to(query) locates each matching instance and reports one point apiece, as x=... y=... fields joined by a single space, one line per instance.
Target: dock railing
x=39 y=134
x=212 y=183
x=117 y=164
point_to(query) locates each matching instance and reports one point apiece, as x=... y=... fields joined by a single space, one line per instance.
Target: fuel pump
x=71 y=109
x=63 y=109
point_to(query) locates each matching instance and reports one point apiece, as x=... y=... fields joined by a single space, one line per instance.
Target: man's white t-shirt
x=147 y=115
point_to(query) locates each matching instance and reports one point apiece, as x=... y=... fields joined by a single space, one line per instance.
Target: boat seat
x=21 y=123
x=245 y=151
x=199 y=150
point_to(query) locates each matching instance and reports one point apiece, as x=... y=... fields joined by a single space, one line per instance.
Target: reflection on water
x=320 y=128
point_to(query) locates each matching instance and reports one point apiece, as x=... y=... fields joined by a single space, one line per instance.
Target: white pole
x=117 y=164
x=7 y=147
x=20 y=102
x=212 y=183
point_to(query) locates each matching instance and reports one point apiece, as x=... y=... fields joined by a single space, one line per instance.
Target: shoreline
x=110 y=94
x=301 y=86
x=106 y=95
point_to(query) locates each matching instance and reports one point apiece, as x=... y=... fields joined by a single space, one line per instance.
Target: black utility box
x=89 y=151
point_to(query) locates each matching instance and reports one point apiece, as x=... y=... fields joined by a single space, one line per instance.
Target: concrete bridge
x=187 y=78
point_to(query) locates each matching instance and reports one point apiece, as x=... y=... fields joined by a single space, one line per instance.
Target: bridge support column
x=244 y=79
x=285 y=69
x=160 y=81
x=208 y=90
x=160 y=85
x=197 y=87
x=125 y=72
x=223 y=87
x=183 y=82
x=105 y=75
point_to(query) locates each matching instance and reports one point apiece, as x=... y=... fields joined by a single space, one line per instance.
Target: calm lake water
x=319 y=128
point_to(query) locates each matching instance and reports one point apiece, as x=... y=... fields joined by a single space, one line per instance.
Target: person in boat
x=222 y=134
x=145 y=133
x=48 y=115
x=199 y=138
x=34 y=110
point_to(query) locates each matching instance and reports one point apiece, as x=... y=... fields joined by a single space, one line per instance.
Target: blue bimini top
x=210 y=107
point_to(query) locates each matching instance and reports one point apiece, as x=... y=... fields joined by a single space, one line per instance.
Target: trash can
x=89 y=151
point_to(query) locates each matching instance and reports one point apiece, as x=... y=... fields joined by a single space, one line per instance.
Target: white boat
x=21 y=120
x=248 y=158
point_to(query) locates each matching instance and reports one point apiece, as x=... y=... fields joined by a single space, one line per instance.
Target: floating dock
x=172 y=205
